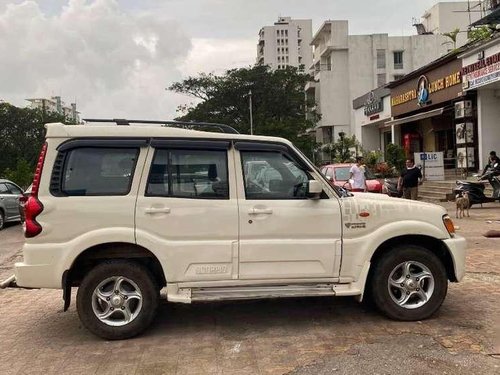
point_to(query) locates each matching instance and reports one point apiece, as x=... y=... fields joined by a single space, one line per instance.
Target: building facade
x=445 y=17
x=287 y=43
x=431 y=113
x=55 y=104
x=346 y=67
x=481 y=79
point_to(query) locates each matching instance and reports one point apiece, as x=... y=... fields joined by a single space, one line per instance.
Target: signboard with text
x=432 y=164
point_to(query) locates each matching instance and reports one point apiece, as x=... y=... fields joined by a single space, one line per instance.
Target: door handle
x=258 y=211
x=152 y=210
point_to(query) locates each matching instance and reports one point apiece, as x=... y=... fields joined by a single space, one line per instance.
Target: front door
x=283 y=233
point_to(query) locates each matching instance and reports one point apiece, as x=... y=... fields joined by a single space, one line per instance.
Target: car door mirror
x=314 y=189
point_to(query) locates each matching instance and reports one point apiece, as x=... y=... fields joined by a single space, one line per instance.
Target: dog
x=462 y=201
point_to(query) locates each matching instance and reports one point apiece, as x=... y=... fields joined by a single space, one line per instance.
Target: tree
x=278 y=102
x=480 y=33
x=395 y=156
x=22 y=134
x=453 y=36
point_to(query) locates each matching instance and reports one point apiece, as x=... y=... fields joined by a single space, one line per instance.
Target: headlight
x=448 y=223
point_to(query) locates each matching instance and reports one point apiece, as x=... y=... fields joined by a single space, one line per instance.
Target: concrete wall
x=488 y=116
x=445 y=17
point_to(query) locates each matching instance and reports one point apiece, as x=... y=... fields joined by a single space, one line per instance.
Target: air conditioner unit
x=463 y=109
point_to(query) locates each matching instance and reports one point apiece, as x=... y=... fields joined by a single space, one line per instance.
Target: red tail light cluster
x=33 y=207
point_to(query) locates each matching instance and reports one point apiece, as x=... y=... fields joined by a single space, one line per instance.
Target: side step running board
x=258 y=292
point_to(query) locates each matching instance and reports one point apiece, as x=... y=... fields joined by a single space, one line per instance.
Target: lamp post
x=250 y=107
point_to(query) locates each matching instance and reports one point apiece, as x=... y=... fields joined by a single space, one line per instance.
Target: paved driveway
x=296 y=336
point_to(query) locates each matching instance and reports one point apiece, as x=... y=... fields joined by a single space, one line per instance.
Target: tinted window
x=272 y=175
x=14 y=189
x=99 y=171
x=198 y=174
x=4 y=189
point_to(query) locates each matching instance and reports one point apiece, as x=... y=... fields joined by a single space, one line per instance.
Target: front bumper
x=457 y=247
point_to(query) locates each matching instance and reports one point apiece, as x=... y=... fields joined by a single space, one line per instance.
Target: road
x=290 y=336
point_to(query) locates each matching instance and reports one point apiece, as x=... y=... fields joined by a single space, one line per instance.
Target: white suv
x=123 y=212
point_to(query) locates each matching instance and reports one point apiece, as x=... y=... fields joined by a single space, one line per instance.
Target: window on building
x=287 y=59
x=398 y=59
x=286 y=50
x=286 y=32
x=286 y=42
x=398 y=76
x=278 y=50
x=381 y=80
x=381 y=58
x=277 y=33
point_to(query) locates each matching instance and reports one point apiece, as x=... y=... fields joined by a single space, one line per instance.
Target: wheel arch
x=92 y=256
x=433 y=244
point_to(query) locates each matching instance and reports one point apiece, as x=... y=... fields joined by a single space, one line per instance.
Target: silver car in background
x=10 y=195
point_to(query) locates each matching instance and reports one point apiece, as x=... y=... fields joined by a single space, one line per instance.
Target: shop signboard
x=435 y=86
x=432 y=165
x=482 y=72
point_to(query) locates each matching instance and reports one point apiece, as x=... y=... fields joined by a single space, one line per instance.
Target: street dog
x=462 y=202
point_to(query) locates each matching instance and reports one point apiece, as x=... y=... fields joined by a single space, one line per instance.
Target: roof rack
x=203 y=126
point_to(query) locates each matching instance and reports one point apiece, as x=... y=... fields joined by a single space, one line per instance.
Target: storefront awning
x=417 y=117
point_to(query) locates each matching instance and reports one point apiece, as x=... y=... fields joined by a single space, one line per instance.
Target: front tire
x=117 y=300
x=409 y=283
x=2 y=219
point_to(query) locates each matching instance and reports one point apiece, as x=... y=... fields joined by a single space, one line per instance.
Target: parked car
x=118 y=212
x=10 y=194
x=338 y=174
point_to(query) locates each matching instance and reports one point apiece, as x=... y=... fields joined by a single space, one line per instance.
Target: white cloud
x=113 y=63
x=218 y=55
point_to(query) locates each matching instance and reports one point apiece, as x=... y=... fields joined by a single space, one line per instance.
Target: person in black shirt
x=493 y=162
x=410 y=178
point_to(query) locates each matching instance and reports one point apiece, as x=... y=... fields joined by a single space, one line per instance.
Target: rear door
x=187 y=209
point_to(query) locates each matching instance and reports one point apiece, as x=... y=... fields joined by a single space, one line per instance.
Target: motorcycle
x=475 y=190
x=390 y=187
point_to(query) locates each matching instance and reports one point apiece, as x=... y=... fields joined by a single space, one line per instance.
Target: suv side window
x=199 y=174
x=272 y=175
x=98 y=171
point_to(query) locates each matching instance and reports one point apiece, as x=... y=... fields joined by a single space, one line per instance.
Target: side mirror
x=329 y=178
x=314 y=189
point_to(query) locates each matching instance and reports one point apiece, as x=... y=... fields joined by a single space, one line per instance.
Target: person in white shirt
x=357 y=175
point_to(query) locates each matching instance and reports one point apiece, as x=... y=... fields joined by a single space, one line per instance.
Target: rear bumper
x=457 y=247
x=37 y=276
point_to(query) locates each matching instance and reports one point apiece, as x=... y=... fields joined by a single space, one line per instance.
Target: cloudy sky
x=116 y=57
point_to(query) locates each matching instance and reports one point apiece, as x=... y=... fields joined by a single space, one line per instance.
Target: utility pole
x=250 y=106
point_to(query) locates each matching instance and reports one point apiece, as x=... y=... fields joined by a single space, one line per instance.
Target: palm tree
x=453 y=36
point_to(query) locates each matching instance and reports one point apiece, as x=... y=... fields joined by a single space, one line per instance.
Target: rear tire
x=117 y=299
x=409 y=283
x=2 y=219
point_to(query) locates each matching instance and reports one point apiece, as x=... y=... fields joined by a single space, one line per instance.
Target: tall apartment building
x=348 y=66
x=287 y=43
x=55 y=104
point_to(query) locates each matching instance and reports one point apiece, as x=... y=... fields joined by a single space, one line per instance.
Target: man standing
x=357 y=175
x=410 y=178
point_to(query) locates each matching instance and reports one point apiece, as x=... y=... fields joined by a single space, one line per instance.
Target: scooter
x=476 y=189
x=390 y=187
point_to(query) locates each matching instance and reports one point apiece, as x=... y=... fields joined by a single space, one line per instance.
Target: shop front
x=481 y=76
x=371 y=111
x=432 y=114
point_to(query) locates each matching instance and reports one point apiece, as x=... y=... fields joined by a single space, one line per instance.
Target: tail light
x=33 y=207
